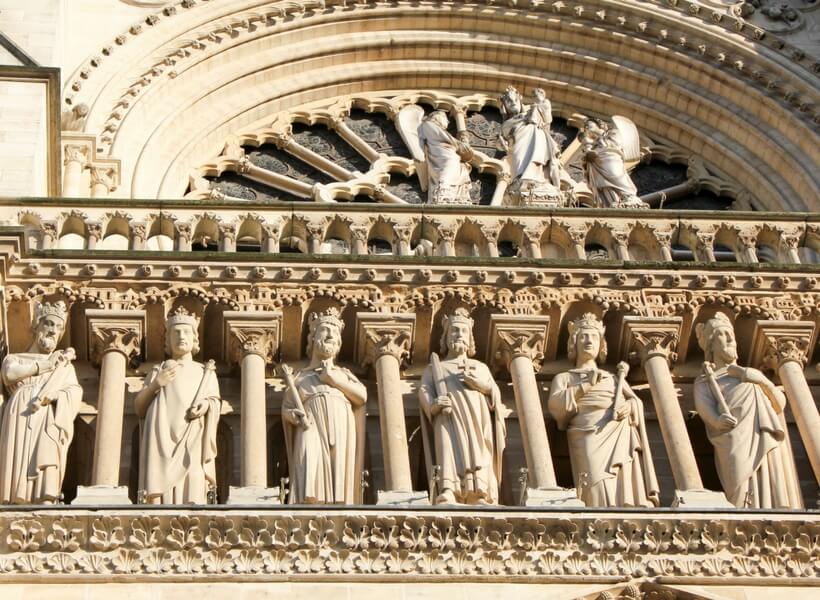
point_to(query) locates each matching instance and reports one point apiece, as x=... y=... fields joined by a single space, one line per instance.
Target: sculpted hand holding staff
x=323 y=417
x=462 y=419
x=38 y=420
x=180 y=406
x=604 y=420
x=742 y=410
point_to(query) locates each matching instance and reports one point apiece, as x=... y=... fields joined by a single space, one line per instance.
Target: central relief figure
x=605 y=426
x=462 y=419
x=323 y=418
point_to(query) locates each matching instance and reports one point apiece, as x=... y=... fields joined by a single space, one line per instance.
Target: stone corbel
x=517 y=344
x=384 y=340
x=251 y=340
x=784 y=347
x=114 y=339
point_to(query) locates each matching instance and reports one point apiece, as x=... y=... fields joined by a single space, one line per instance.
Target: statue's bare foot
x=446 y=497
x=482 y=501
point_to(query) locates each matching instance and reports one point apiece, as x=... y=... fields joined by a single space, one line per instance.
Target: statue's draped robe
x=753 y=458
x=445 y=167
x=611 y=460
x=178 y=456
x=468 y=444
x=324 y=460
x=606 y=172
x=34 y=443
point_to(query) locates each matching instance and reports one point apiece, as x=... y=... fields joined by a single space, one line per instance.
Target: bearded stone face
x=724 y=345
x=458 y=337
x=327 y=341
x=48 y=333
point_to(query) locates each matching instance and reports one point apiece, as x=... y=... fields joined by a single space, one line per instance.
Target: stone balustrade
x=353 y=229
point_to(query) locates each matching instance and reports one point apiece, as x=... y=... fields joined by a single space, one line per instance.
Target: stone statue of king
x=323 y=419
x=179 y=405
x=38 y=421
x=462 y=419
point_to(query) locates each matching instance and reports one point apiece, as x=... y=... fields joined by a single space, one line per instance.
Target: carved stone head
x=510 y=102
x=593 y=128
x=716 y=337
x=458 y=333
x=439 y=117
x=325 y=333
x=539 y=94
x=49 y=325
x=181 y=333
x=586 y=336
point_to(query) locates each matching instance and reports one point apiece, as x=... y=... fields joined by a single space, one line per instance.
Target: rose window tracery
x=366 y=149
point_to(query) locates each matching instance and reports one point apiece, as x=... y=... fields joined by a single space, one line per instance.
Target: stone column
x=578 y=235
x=532 y=240
x=114 y=338
x=655 y=340
x=251 y=339
x=384 y=340
x=517 y=343
x=184 y=233
x=227 y=237
x=621 y=239
x=784 y=346
x=75 y=161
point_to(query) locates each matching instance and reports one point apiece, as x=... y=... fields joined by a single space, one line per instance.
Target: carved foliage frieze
x=379 y=544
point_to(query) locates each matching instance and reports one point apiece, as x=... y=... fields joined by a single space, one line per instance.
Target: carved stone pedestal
x=239 y=495
x=558 y=498
x=96 y=495
x=699 y=499
x=397 y=498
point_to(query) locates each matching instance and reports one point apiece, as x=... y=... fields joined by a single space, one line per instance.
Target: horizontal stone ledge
x=756 y=547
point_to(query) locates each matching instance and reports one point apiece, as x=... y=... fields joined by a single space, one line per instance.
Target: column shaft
x=393 y=429
x=110 y=409
x=254 y=454
x=531 y=422
x=72 y=178
x=675 y=437
x=804 y=410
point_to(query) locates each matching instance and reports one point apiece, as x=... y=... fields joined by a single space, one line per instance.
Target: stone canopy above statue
x=429 y=147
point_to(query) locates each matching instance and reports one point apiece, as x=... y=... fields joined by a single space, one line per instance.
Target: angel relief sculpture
x=607 y=150
x=441 y=159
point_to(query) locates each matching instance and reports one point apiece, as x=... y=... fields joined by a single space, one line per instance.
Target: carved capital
x=383 y=334
x=778 y=342
x=359 y=233
x=114 y=331
x=251 y=333
x=75 y=153
x=514 y=336
x=643 y=338
x=184 y=229
x=103 y=176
